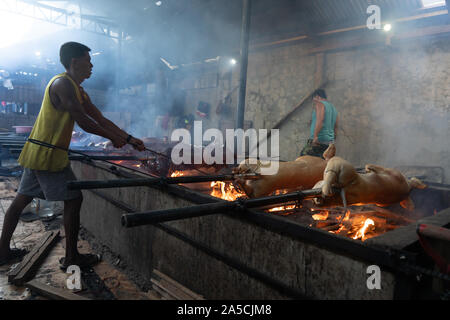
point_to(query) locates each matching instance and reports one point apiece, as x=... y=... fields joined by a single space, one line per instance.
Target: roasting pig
x=303 y=173
x=378 y=185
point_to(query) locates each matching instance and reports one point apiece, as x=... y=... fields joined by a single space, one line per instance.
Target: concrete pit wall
x=315 y=272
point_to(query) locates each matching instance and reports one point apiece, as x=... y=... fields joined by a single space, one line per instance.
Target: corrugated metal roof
x=329 y=12
x=212 y=26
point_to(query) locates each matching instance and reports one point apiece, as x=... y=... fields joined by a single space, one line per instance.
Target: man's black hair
x=321 y=93
x=71 y=50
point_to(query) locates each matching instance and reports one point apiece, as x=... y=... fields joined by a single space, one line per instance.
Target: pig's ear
x=408 y=204
x=416 y=183
x=318 y=185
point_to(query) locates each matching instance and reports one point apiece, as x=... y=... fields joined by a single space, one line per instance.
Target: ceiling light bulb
x=387 y=27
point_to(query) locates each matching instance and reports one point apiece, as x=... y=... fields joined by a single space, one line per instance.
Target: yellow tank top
x=54 y=127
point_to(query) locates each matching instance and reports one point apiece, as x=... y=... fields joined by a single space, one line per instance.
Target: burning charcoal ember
x=354 y=222
x=225 y=191
x=284 y=209
x=356 y=225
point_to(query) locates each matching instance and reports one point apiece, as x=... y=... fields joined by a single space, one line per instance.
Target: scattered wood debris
x=26 y=270
x=52 y=292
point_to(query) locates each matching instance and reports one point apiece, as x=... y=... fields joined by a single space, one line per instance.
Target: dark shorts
x=48 y=185
x=314 y=150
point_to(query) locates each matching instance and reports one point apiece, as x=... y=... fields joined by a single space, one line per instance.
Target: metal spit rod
x=121 y=183
x=157 y=216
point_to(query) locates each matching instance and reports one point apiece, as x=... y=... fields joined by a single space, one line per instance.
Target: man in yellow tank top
x=46 y=170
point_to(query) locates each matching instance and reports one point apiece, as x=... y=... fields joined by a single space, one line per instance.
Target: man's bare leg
x=72 y=227
x=10 y=223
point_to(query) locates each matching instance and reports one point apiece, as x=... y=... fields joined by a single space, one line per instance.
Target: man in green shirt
x=323 y=126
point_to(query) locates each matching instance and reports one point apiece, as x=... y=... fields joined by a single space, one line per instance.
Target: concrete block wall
x=277 y=81
x=394 y=102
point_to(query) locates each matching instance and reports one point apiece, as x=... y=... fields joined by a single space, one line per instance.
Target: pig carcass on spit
x=378 y=185
x=303 y=173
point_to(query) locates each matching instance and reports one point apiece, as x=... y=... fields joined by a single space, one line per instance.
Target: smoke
x=149 y=89
x=409 y=104
x=129 y=78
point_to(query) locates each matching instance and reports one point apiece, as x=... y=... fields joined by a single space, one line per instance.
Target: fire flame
x=225 y=191
x=353 y=228
x=279 y=192
x=177 y=174
x=361 y=232
x=283 y=208
x=320 y=216
x=347 y=216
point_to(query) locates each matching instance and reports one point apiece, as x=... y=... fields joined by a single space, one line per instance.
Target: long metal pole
x=122 y=183
x=157 y=216
x=245 y=35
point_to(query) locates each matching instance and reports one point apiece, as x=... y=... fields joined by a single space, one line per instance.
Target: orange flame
x=362 y=232
x=225 y=190
x=279 y=192
x=177 y=174
x=282 y=208
x=347 y=216
x=320 y=216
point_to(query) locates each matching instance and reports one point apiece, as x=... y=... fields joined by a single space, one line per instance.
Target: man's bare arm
x=93 y=112
x=69 y=102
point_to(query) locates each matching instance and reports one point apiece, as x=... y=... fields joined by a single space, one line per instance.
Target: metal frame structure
x=43 y=12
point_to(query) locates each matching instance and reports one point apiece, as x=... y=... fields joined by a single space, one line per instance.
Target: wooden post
x=245 y=34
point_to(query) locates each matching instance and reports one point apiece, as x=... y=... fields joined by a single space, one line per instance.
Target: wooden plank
x=165 y=279
x=26 y=259
x=26 y=270
x=52 y=292
x=164 y=291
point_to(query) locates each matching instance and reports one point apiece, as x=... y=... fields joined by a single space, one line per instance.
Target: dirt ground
x=103 y=282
